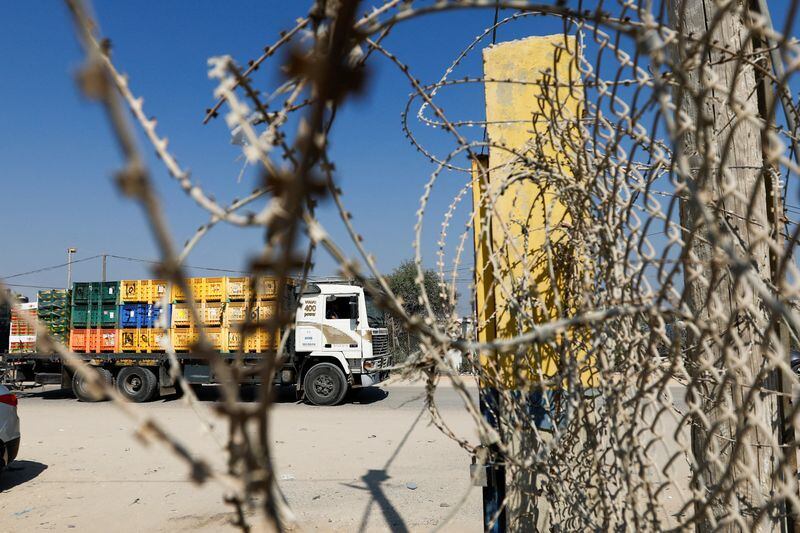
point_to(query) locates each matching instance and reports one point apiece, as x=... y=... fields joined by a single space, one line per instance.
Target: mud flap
x=166 y=385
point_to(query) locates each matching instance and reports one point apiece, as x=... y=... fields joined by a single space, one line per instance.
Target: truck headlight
x=371 y=365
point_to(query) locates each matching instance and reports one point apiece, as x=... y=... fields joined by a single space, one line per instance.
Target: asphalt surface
x=374 y=463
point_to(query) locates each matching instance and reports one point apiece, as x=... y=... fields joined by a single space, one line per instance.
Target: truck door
x=339 y=325
x=308 y=335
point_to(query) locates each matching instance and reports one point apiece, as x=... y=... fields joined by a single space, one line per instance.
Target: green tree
x=402 y=282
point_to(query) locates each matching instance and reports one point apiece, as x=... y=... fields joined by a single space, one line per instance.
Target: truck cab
x=340 y=342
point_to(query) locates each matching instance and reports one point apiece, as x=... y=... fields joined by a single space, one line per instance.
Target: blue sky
x=57 y=156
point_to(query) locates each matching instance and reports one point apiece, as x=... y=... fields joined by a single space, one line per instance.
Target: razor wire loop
x=615 y=454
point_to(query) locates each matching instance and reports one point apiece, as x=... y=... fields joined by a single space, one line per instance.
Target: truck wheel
x=81 y=391
x=325 y=384
x=137 y=383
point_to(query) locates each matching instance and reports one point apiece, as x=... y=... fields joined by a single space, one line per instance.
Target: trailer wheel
x=325 y=384
x=80 y=388
x=137 y=383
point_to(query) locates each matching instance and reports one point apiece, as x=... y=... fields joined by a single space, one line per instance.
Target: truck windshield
x=375 y=317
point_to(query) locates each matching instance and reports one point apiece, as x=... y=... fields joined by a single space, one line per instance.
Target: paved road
x=374 y=463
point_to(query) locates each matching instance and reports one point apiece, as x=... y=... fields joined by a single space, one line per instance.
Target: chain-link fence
x=641 y=301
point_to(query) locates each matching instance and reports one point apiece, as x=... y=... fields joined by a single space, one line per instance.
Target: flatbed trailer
x=19 y=369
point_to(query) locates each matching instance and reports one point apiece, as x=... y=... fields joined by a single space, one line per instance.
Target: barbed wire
x=643 y=120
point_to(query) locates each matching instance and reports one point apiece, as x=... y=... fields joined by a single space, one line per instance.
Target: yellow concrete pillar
x=525 y=262
x=531 y=110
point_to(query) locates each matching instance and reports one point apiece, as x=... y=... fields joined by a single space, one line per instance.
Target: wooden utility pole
x=734 y=458
x=779 y=381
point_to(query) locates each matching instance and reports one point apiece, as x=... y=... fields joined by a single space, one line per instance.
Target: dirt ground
x=374 y=463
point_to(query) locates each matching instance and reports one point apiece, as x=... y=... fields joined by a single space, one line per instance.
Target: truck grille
x=380 y=344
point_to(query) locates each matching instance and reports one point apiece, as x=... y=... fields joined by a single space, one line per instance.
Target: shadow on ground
x=284 y=395
x=212 y=393
x=374 y=480
x=45 y=393
x=19 y=472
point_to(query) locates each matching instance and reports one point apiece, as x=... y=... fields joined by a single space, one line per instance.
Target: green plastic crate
x=94 y=315
x=95 y=291
x=53 y=297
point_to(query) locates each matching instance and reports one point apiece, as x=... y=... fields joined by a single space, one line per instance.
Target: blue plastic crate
x=137 y=315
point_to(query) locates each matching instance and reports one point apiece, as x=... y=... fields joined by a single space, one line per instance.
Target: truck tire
x=137 y=383
x=80 y=390
x=325 y=384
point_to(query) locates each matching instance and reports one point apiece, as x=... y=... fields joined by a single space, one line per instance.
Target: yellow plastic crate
x=266 y=288
x=181 y=315
x=235 y=313
x=177 y=295
x=146 y=340
x=209 y=289
x=211 y=314
x=129 y=290
x=234 y=338
x=203 y=289
x=264 y=310
x=259 y=341
x=238 y=289
x=183 y=338
x=153 y=289
x=142 y=290
x=218 y=337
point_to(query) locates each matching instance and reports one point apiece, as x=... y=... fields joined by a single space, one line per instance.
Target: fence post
x=723 y=151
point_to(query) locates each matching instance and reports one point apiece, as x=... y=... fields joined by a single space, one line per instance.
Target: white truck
x=340 y=342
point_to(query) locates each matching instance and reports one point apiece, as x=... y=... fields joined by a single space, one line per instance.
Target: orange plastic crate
x=93 y=340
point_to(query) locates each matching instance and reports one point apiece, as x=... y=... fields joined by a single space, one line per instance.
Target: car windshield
x=375 y=317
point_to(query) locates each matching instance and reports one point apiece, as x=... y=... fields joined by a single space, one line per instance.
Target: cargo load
x=22 y=336
x=54 y=312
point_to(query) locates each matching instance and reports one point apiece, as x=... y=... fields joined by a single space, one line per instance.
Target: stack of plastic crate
x=140 y=311
x=210 y=296
x=261 y=305
x=222 y=305
x=22 y=337
x=93 y=317
x=54 y=312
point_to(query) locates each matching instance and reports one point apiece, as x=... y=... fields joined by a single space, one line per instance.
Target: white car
x=9 y=427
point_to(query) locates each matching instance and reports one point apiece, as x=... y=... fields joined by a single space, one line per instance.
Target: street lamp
x=70 y=251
